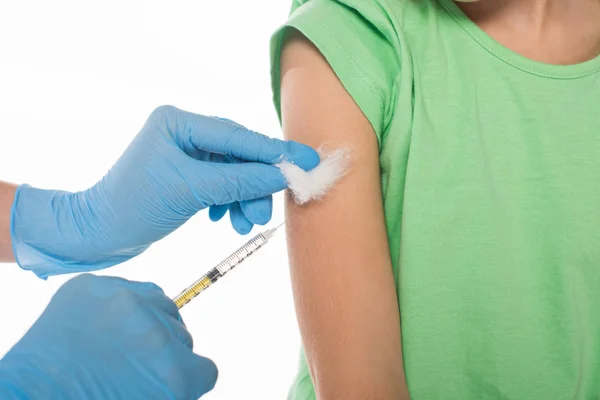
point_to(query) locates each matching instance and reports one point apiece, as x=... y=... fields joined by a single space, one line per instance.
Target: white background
x=77 y=81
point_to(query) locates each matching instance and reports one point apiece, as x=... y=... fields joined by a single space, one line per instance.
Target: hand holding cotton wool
x=305 y=186
x=314 y=184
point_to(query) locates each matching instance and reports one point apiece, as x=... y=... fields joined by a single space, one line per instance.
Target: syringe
x=224 y=267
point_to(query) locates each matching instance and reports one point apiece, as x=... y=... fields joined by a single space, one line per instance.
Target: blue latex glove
x=178 y=164
x=106 y=338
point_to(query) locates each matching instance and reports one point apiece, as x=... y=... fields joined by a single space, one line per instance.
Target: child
x=472 y=208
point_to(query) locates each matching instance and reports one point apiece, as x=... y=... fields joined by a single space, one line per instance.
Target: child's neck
x=549 y=31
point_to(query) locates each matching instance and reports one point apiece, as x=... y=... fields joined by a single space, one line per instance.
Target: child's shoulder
x=368 y=44
x=403 y=24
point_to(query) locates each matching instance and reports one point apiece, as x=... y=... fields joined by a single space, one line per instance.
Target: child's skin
x=549 y=31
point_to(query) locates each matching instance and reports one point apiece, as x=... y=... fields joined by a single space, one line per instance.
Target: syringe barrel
x=241 y=254
x=194 y=290
x=221 y=269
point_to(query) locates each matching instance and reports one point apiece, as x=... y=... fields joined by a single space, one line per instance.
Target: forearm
x=7 y=195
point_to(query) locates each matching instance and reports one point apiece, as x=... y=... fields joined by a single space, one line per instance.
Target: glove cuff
x=51 y=234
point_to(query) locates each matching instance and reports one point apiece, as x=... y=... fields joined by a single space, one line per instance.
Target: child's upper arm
x=341 y=271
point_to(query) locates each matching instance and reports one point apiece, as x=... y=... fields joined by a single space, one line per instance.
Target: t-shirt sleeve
x=356 y=37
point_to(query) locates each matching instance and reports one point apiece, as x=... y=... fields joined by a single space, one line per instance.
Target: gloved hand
x=106 y=338
x=177 y=165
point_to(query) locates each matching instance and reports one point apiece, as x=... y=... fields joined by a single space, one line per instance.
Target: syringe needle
x=284 y=222
x=281 y=224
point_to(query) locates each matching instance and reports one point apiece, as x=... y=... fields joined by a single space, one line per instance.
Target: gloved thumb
x=202 y=375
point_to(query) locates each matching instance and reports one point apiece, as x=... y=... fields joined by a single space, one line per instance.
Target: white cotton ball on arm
x=314 y=184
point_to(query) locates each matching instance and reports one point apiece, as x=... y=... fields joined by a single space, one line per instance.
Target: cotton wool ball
x=312 y=185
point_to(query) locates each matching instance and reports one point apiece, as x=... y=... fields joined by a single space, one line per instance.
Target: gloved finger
x=152 y=296
x=224 y=137
x=258 y=211
x=232 y=122
x=161 y=302
x=216 y=212
x=177 y=328
x=87 y=279
x=106 y=286
x=142 y=287
x=220 y=158
x=228 y=183
x=201 y=374
x=83 y=282
x=151 y=292
x=238 y=220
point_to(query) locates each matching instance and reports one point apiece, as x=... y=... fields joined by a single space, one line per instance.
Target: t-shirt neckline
x=516 y=60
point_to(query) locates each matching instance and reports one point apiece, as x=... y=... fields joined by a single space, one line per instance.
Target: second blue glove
x=105 y=338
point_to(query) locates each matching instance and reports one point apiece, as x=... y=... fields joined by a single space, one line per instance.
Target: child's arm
x=7 y=195
x=341 y=271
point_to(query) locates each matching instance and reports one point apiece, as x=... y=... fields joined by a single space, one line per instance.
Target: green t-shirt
x=490 y=165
